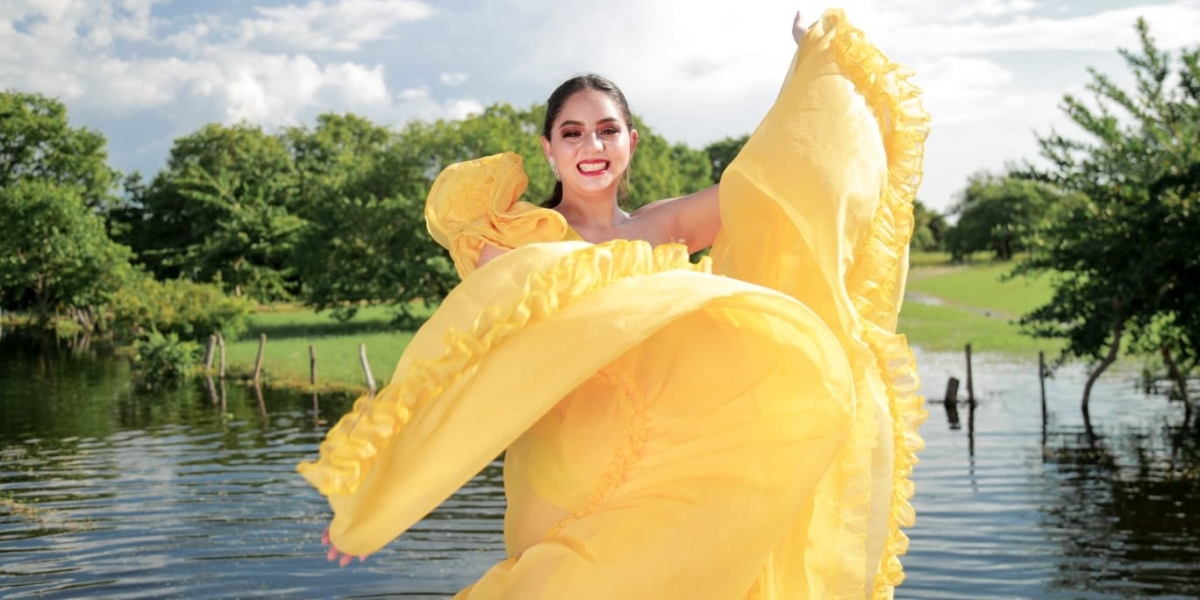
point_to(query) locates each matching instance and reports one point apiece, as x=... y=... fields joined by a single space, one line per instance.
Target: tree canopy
x=1121 y=244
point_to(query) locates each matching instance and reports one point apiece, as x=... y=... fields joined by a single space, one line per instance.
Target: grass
x=291 y=330
x=948 y=306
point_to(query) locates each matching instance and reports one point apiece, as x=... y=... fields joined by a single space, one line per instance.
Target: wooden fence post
x=362 y=354
x=262 y=344
x=970 y=379
x=952 y=391
x=221 y=348
x=1042 y=383
x=208 y=353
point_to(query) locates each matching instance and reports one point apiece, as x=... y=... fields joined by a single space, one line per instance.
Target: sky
x=145 y=72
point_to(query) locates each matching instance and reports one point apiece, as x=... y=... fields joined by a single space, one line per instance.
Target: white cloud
x=1172 y=24
x=992 y=69
x=340 y=26
x=453 y=79
x=960 y=89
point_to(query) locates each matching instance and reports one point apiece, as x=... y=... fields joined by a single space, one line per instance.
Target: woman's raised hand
x=337 y=555
x=798 y=29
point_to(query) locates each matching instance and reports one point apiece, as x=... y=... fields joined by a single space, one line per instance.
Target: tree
x=722 y=152
x=221 y=211
x=38 y=142
x=929 y=228
x=1121 y=244
x=55 y=255
x=361 y=192
x=995 y=213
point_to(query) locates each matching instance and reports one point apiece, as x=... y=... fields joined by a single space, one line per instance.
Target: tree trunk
x=1180 y=382
x=1118 y=328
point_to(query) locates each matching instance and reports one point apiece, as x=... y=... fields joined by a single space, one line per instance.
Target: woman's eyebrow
x=603 y=121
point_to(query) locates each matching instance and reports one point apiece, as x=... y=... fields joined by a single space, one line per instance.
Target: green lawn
x=291 y=331
x=948 y=306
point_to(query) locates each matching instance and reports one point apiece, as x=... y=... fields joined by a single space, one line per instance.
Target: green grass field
x=291 y=330
x=949 y=306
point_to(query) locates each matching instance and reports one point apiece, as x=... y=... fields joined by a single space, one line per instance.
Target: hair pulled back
x=554 y=106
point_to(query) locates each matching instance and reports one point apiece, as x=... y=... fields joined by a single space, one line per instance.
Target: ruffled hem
x=351 y=447
x=878 y=267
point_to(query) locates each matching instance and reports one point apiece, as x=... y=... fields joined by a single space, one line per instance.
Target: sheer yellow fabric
x=671 y=433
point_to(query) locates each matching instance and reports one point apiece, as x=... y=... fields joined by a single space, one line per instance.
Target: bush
x=187 y=310
x=162 y=360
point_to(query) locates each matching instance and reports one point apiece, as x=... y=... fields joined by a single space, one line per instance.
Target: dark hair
x=554 y=105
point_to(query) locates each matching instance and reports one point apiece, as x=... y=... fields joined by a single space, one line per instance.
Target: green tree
x=221 y=211
x=362 y=190
x=929 y=228
x=995 y=214
x=56 y=258
x=722 y=152
x=38 y=142
x=1122 y=245
x=55 y=254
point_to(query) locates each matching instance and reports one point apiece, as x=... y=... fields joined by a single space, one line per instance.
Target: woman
x=668 y=433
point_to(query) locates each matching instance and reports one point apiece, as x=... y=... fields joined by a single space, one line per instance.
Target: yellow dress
x=740 y=428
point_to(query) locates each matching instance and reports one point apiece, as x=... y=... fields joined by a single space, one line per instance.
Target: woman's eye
x=610 y=131
x=570 y=134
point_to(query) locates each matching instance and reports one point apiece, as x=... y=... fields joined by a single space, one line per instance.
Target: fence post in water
x=952 y=391
x=221 y=347
x=312 y=366
x=1042 y=382
x=362 y=354
x=208 y=353
x=262 y=344
x=970 y=379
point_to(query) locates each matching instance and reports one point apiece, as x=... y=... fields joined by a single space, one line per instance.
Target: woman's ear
x=633 y=139
x=546 y=148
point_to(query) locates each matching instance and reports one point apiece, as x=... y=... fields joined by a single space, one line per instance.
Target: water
x=110 y=492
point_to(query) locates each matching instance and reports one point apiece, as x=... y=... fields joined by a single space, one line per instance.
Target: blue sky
x=145 y=72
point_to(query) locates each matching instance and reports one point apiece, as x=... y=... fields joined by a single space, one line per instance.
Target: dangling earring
x=554 y=169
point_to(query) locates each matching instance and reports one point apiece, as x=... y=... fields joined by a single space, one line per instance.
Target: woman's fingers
x=798 y=28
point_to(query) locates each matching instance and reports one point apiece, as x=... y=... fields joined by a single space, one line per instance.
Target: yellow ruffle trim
x=877 y=269
x=352 y=445
x=478 y=202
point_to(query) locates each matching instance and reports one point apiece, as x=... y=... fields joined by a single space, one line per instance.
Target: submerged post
x=221 y=348
x=262 y=344
x=970 y=379
x=208 y=353
x=312 y=366
x=362 y=354
x=1042 y=382
x=951 y=391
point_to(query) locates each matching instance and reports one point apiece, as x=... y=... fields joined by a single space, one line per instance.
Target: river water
x=110 y=492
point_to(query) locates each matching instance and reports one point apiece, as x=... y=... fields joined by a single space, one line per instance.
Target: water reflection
x=107 y=492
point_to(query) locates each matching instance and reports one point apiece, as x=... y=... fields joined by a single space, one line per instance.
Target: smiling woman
x=668 y=432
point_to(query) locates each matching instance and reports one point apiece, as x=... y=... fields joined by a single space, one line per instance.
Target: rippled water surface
x=109 y=492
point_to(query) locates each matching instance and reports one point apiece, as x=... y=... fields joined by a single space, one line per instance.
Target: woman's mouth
x=593 y=167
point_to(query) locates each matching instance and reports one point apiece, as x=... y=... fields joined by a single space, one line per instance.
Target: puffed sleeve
x=478 y=202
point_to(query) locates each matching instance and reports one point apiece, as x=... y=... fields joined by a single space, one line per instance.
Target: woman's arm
x=488 y=253
x=695 y=218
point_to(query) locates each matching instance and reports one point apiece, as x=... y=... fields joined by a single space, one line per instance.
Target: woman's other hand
x=798 y=29
x=335 y=555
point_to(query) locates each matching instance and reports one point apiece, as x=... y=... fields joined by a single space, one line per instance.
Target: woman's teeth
x=593 y=167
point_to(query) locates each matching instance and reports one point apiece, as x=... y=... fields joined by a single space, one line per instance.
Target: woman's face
x=590 y=143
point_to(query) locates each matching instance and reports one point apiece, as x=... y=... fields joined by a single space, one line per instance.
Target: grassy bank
x=947 y=306
x=291 y=330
